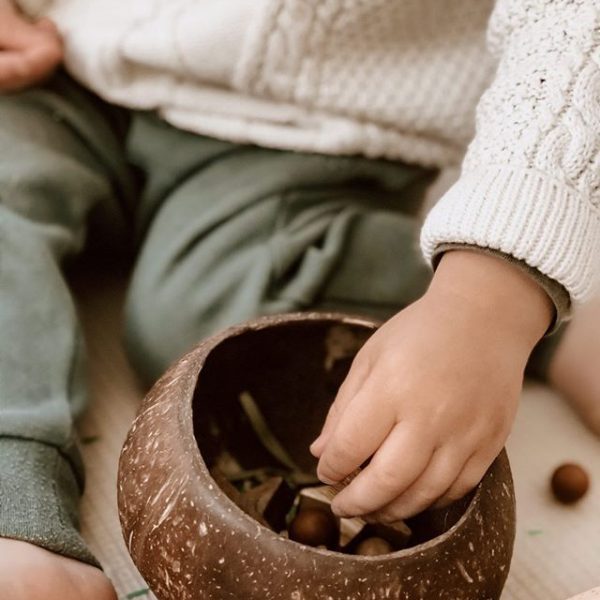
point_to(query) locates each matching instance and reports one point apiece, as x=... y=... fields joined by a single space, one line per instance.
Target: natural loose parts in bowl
x=191 y=542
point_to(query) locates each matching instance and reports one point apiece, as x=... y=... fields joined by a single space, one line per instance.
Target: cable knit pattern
x=398 y=79
x=407 y=73
x=530 y=184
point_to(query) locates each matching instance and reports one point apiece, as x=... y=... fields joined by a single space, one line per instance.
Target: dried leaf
x=264 y=433
x=137 y=593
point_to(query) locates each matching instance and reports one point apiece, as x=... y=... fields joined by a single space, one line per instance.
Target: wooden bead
x=315 y=527
x=569 y=483
x=374 y=546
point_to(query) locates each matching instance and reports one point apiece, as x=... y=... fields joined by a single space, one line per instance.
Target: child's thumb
x=48 y=26
x=17 y=33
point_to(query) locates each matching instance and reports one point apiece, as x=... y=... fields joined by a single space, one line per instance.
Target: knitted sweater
x=398 y=79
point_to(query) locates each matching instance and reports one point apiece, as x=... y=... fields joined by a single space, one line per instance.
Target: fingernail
x=314 y=447
x=326 y=480
x=339 y=512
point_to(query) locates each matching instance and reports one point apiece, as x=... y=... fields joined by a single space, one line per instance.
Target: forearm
x=501 y=296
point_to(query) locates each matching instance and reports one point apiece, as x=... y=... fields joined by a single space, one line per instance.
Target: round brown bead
x=374 y=546
x=569 y=483
x=314 y=527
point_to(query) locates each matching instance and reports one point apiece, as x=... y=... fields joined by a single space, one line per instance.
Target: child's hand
x=432 y=395
x=29 y=52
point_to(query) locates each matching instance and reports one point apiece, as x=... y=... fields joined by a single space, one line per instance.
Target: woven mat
x=557 y=553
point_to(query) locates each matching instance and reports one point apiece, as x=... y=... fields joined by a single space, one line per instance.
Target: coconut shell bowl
x=249 y=401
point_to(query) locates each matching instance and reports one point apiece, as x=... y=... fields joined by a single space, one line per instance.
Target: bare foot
x=28 y=572
x=575 y=368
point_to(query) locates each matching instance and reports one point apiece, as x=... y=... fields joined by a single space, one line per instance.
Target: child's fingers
x=467 y=480
x=400 y=460
x=21 y=68
x=48 y=26
x=350 y=387
x=42 y=59
x=360 y=430
x=13 y=70
x=16 y=32
x=441 y=473
x=28 y=52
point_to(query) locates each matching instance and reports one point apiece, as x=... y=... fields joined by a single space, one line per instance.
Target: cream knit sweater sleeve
x=530 y=182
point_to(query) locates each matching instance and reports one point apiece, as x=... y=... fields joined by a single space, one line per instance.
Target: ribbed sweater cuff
x=524 y=214
x=39 y=495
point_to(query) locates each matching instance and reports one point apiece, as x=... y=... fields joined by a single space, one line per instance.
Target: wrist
x=496 y=293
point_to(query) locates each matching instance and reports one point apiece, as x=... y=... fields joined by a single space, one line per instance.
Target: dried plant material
x=137 y=593
x=316 y=497
x=262 y=474
x=534 y=532
x=264 y=433
x=236 y=496
x=343 y=342
x=350 y=529
x=227 y=464
x=272 y=499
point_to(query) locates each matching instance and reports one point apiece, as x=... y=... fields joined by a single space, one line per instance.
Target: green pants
x=224 y=232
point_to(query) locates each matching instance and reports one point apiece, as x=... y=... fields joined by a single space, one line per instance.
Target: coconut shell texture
x=191 y=542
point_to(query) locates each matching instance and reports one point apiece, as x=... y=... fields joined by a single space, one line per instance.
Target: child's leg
x=572 y=363
x=60 y=157
x=233 y=232
x=568 y=361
